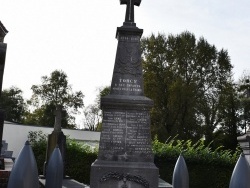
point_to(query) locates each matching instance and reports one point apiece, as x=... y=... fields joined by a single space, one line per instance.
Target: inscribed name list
x=125 y=136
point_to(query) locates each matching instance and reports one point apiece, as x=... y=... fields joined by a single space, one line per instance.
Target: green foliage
x=44 y=116
x=54 y=91
x=79 y=156
x=102 y=93
x=207 y=168
x=38 y=141
x=196 y=152
x=185 y=78
x=13 y=104
x=244 y=95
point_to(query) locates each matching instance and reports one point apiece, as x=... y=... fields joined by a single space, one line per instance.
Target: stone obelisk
x=125 y=158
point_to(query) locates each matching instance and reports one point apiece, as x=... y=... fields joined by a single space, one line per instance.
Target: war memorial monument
x=125 y=158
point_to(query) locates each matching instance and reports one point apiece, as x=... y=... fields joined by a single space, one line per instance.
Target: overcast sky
x=78 y=36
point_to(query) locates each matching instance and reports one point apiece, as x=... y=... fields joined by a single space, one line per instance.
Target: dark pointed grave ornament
x=180 y=175
x=125 y=150
x=24 y=173
x=54 y=172
x=241 y=173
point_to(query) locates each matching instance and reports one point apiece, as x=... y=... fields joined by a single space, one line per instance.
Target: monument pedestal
x=110 y=174
x=125 y=158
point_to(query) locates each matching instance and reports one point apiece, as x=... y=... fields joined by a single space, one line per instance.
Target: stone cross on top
x=58 y=118
x=130 y=9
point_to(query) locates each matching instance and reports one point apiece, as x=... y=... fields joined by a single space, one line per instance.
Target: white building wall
x=16 y=135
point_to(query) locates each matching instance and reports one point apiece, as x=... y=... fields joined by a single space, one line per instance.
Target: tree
x=13 y=104
x=244 y=95
x=54 y=91
x=92 y=117
x=185 y=78
x=44 y=116
x=104 y=91
x=93 y=113
x=229 y=113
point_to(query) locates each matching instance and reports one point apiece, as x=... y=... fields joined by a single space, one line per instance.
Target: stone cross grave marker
x=58 y=118
x=56 y=138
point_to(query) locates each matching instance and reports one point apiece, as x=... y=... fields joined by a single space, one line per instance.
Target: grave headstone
x=56 y=138
x=125 y=158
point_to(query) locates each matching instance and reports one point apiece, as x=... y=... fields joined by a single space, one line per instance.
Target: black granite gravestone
x=125 y=158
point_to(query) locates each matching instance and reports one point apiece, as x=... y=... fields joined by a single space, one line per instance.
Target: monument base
x=118 y=174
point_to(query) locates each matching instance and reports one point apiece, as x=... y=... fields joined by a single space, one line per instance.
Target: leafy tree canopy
x=13 y=104
x=93 y=114
x=54 y=90
x=185 y=77
x=244 y=95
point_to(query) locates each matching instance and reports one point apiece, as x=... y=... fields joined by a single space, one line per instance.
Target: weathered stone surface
x=126 y=136
x=127 y=75
x=56 y=138
x=109 y=174
x=125 y=156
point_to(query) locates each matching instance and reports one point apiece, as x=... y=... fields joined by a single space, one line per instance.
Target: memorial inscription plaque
x=125 y=136
x=125 y=158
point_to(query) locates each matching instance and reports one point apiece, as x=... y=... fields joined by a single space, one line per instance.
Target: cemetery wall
x=16 y=135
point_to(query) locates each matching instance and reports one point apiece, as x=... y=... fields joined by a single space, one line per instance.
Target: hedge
x=207 y=168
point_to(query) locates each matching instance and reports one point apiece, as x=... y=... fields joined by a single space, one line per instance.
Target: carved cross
x=130 y=9
x=58 y=118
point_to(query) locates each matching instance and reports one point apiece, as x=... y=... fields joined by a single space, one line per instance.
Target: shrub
x=79 y=156
x=207 y=168
x=38 y=141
